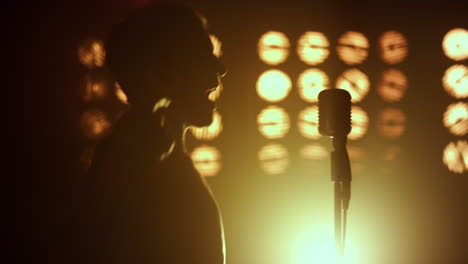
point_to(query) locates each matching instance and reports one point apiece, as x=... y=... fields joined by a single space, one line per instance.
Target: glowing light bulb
x=273 y=86
x=273 y=47
x=273 y=122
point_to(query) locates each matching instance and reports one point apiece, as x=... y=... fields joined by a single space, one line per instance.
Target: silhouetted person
x=146 y=203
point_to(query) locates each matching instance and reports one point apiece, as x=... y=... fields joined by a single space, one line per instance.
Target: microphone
x=334 y=113
x=335 y=121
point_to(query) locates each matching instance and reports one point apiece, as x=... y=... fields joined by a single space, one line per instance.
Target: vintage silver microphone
x=335 y=121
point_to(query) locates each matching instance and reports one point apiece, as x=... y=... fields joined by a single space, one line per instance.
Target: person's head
x=163 y=50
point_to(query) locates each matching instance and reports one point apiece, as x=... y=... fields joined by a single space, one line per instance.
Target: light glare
x=92 y=54
x=455 y=81
x=456 y=118
x=393 y=47
x=455 y=156
x=355 y=82
x=273 y=122
x=206 y=160
x=274 y=158
x=308 y=122
x=209 y=132
x=359 y=123
x=313 y=48
x=392 y=122
x=94 y=124
x=352 y=48
x=273 y=86
x=311 y=82
x=273 y=47
x=455 y=44
x=392 y=86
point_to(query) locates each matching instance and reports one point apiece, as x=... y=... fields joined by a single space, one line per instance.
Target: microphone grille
x=334 y=112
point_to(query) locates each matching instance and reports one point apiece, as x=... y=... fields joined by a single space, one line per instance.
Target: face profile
x=164 y=51
x=197 y=75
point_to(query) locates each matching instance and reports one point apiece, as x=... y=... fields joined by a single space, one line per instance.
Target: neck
x=175 y=128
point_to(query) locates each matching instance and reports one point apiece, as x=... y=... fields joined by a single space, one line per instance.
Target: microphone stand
x=341 y=176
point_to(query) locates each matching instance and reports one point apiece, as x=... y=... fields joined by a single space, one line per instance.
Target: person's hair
x=152 y=35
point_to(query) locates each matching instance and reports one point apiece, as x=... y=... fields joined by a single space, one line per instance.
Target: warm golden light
x=273 y=122
x=315 y=243
x=313 y=48
x=217 y=45
x=273 y=47
x=393 y=47
x=455 y=156
x=308 y=122
x=273 y=86
x=455 y=44
x=456 y=118
x=352 y=48
x=359 y=123
x=92 y=54
x=206 y=160
x=356 y=153
x=120 y=93
x=355 y=82
x=209 y=132
x=95 y=86
x=94 y=124
x=311 y=82
x=274 y=158
x=392 y=86
x=214 y=95
x=391 y=153
x=391 y=123
x=455 y=81
x=314 y=152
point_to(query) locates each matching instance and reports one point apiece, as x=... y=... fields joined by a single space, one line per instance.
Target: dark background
x=416 y=213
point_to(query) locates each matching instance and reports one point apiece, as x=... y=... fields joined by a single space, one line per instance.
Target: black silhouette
x=145 y=202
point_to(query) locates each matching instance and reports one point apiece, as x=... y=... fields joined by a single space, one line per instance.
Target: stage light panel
x=352 y=48
x=355 y=82
x=94 y=124
x=392 y=86
x=455 y=81
x=95 y=85
x=359 y=123
x=273 y=86
x=310 y=83
x=393 y=47
x=456 y=118
x=391 y=123
x=455 y=156
x=92 y=53
x=273 y=122
x=313 y=48
x=308 y=122
x=314 y=151
x=274 y=158
x=455 y=44
x=206 y=160
x=273 y=47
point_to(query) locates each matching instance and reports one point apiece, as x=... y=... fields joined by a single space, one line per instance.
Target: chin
x=201 y=121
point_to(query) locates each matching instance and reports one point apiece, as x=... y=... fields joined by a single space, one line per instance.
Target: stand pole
x=341 y=176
